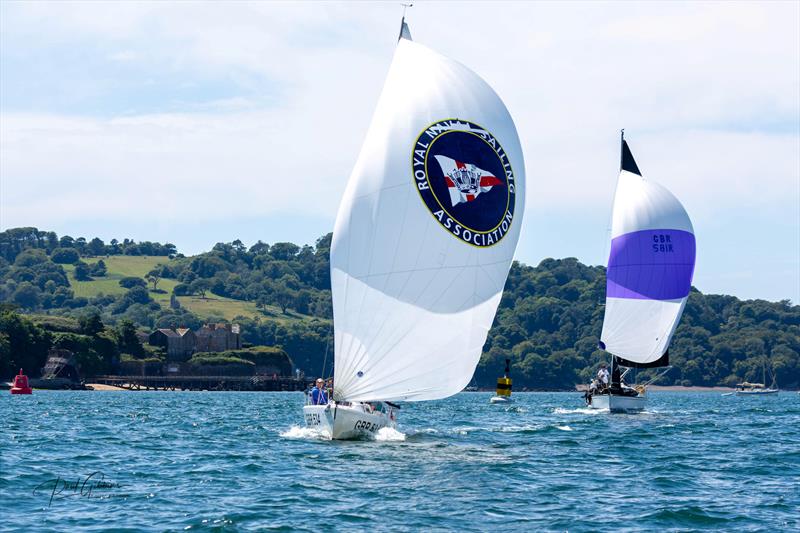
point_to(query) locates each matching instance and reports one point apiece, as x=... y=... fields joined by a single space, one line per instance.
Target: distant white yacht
x=758 y=389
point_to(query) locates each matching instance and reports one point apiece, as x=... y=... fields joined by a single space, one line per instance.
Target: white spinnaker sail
x=650 y=267
x=416 y=280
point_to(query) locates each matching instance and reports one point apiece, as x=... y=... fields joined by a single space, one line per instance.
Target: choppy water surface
x=240 y=461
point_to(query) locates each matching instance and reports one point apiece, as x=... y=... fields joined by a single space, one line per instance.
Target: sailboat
x=649 y=275
x=503 y=391
x=758 y=389
x=423 y=242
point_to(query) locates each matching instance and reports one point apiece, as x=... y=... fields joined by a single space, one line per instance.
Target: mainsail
x=650 y=269
x=417 y=274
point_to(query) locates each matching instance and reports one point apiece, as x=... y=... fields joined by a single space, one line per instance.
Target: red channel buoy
x=21 y=384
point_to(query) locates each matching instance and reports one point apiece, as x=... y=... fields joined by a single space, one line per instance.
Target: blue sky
x=200 y=122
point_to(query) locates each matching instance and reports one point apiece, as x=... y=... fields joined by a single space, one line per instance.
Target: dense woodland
x=548 y=322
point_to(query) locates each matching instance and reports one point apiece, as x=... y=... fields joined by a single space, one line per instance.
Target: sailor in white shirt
x=602 y=375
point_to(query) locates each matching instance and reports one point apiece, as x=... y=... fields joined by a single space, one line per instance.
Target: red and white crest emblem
x=465 y=181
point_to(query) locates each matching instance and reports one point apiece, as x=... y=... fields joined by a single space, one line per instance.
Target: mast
x=614 y=382
x=405 y=33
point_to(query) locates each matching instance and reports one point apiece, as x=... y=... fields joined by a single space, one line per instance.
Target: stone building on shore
x=218 y=338
x=181 y=343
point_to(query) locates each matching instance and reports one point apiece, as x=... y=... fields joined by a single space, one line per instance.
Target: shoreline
x=578 y=388
x=673 y=388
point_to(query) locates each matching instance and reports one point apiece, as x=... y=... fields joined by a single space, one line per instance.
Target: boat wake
x=297 y=432
x=579 y=410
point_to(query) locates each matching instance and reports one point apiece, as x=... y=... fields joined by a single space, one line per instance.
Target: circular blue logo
x=465 y=179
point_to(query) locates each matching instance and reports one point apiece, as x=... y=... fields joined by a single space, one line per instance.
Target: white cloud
x=709 y=94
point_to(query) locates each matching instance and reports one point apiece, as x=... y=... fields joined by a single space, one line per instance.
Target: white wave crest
x=527 y=428
x=388 y=434
x=424 y=431
x=579 y=410
x=297 y=432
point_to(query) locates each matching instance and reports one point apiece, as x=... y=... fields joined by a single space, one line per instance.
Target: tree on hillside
x=96 y=247
x=131 y=282
x=207 y=266
x=138 y=294
x=31 y=257
x=27 y=344
x=64 y=256
x=99 y=269
x=82 y=271
x=259 y=248
x=284 y=296
x=200 y=286
x=283 y=251
x=128 y=341
x=154 y=276
x=27 y=296
x=91 y=324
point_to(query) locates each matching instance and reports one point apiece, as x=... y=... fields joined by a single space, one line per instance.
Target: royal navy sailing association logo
x=465 y=179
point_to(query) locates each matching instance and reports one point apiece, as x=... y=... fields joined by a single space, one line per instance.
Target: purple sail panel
x=653 y=264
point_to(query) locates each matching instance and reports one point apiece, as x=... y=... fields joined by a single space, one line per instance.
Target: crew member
x=602 y=375
x=318 y=396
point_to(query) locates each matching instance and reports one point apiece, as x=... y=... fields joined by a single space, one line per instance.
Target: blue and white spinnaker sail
x=650 y=268
x=426 y=232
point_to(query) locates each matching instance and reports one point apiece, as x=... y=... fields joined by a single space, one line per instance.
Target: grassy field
x=228 y=309
x=121 y=266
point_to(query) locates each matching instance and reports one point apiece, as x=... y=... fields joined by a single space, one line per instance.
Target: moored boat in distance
x=423 y=242
x=758 y=389
x=754 y=389
x=648 y=279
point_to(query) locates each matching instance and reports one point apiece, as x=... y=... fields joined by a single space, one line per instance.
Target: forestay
x=650 y=267
x=425 y=233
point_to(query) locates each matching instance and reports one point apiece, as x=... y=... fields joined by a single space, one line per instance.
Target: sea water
x=227 y=461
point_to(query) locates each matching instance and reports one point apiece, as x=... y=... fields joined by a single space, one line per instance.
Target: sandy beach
x=99 y=386
x=672 y=388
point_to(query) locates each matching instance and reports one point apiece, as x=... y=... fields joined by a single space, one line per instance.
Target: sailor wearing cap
x=318 y=396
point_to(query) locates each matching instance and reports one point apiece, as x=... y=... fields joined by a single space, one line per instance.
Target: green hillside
x=548 y=322
x=212 y=306
x=119 y=266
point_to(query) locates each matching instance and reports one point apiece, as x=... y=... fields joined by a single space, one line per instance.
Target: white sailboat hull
x=348 y=421
x=756 y=392
x=618 y=404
